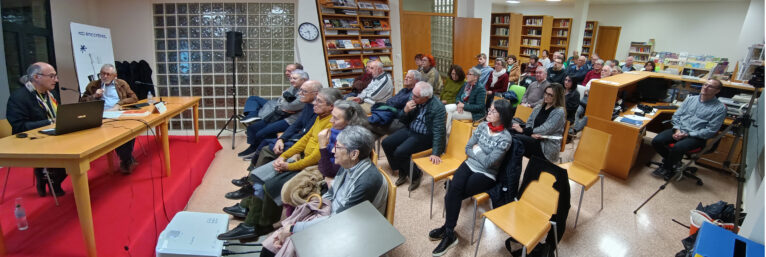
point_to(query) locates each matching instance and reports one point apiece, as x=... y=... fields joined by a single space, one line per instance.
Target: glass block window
x=443 y=6
x=441 y=42
x=190 y=48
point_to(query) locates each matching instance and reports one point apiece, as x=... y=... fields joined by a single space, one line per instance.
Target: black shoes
x=41 y=183
x=247 y=152
x=236 y=210
x=663 y=173
x=240 y=182
x=449 y=240
x=401 y=180
x=436 y=234
x=241 y=193
x=242 y=231
x=415 y=183
x=128 y=167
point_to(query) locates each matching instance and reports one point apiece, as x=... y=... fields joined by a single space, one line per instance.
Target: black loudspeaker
x=233 y=44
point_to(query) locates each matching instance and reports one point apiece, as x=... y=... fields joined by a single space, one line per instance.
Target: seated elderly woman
x=469 y=103
x=485 y=150
x=357 y=181
x=546 y=122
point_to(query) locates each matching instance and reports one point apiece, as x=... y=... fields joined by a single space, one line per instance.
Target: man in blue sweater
x=697 y=120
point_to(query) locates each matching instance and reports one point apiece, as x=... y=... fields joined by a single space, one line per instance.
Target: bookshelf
x=589 y=38
x=352 y=34
x=535 y=35
x=505 y=35
x=560 y=33
x=641 y=51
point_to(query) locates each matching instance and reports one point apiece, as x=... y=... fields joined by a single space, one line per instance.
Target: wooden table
x=75 y=151
x=626 y=139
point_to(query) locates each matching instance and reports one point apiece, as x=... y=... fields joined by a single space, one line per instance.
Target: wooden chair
x=564 y=137
x=527 y=220
x=6 y=130
x=391 y=201
x=453 y=156
x=523 y=112
x=589 y=159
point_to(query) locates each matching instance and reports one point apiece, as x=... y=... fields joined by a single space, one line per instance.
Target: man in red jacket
x=595 y=73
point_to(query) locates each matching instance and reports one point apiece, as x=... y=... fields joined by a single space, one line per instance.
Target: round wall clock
x=308 y=31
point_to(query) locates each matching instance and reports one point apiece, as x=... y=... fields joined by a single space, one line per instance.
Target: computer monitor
x=652 y=90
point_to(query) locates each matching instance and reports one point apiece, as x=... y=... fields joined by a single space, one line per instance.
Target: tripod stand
x=740 y=124
x=234 y=119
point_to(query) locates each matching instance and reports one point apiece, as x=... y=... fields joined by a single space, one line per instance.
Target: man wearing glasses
x=697 y=120
x=114 y=92
x=34 y=106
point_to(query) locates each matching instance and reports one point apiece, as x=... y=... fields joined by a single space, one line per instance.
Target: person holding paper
x=114 y=92
x=541 y=135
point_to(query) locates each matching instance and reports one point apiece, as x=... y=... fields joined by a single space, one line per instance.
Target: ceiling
x=570 y=2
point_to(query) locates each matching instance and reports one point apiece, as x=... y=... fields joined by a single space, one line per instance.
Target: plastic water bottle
x=150 y=98
x=21 y=216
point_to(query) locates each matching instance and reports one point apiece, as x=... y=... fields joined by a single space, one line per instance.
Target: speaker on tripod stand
x=233 y=50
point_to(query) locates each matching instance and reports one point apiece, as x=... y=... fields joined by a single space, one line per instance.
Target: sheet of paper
x=112 y=114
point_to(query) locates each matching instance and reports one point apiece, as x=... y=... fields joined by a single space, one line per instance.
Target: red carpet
x=129 y=211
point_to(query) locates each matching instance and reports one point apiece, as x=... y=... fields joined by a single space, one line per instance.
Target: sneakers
x=247 y=152
x=449 y=240
x=436 y=234
x=248 y=121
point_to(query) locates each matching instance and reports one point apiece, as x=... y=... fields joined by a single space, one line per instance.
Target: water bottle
x=150 y=98
x=21 y=216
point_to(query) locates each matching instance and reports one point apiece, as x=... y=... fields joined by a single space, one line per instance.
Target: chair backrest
x=591 y=151
x=5 y=128
x=523 y=112
x=542 y=195
x=564 y=137
x=458 y=138
x=519 y=90
x=374 y=157
x=391 y=201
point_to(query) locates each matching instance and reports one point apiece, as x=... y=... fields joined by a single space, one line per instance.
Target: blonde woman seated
x=469 y=103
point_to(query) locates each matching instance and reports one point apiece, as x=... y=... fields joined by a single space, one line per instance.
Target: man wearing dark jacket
x=34 y=106
x=424 y=119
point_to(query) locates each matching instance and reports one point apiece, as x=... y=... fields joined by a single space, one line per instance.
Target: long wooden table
x=75 y=151
x=626 y=139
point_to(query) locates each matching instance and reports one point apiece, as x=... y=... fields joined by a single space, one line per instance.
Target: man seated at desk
x=34 y=106
x=114 y=92
x=697 y=120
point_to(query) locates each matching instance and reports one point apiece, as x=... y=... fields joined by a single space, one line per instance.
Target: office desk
x=626 y=139
x=75 y=151
x=358 y=231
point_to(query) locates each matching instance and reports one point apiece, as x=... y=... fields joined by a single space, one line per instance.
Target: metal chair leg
x=473 y=224
x=5 y=186
x=524 y=251
x=577 y=217
x=602 y=190
x=478 y=240
x=555 y=238
x=444 y=210
x=50 y=184
x=409 y=193
x=431 y=212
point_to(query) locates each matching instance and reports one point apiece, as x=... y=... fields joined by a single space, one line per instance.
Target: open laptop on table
x=76 y=117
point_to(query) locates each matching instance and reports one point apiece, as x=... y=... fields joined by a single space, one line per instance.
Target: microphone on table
x=79 y=96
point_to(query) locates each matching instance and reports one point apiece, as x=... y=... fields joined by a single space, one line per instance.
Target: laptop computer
x=76 y=117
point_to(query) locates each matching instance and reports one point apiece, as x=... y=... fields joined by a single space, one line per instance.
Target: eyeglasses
x=106 y=74
x=337 y=147
x=303 y=92
x=492 y=111
x=548 y=94
x=52 y=75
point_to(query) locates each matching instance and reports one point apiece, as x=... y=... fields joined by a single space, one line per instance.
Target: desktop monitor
x=652 y=90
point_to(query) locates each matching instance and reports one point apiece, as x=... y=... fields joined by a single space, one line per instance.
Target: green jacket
x=435 y=122
x=451 y=87
x=476 y=101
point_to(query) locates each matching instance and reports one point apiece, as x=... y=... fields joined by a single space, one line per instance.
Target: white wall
x=697 y=28
x=483 y=9
x=62 y=13
x=310 y=54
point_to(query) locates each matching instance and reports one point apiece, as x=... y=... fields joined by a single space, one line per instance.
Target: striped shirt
x=419 y=124
x=379 y=90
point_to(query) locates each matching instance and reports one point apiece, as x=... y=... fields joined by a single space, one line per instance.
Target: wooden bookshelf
x=535 y=35
x=505 y=35
x=641 y=51
x=589 y=38
x=560 y=33
x=353 y=35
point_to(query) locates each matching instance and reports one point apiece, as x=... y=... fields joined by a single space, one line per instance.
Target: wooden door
x=606 y=41
x=416 y=38
x=466 y=41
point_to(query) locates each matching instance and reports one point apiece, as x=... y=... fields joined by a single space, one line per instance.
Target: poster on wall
x=91 y=48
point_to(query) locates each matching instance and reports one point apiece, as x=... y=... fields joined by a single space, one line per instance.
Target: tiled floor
x=613 y=231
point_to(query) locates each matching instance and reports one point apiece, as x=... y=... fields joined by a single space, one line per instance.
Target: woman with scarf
x=469 y=103
x=498 y=82
x=485 y=151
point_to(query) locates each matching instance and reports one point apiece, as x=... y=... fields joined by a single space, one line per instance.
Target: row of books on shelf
x=502 y=19
x=341 y=23
x=344 y=82
x=639 y=49
x=562 y=33
x=588 y=34
x=375 y=6
x=563 y=23
x=533 y=22
x=375 y=24
x=353 y=12
x=498 y=53
x=530 y=42
x=589 y=26
x=357 y=63
x=501 y=31
x=385 y=60
x=355 y=43
x=561 y=42
x=586 y=42
x=534 y=32
x=502 y=43
x=530 y=51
